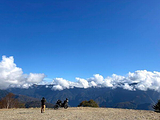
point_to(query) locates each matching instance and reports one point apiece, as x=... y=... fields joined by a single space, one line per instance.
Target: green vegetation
x=90 y=103
x=156 y=107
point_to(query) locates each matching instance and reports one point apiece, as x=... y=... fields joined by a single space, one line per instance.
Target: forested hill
x=105 y=97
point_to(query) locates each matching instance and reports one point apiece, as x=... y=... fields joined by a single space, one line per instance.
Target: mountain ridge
x=105 y=97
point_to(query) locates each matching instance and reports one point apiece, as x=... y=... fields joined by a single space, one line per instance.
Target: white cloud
x=57 y=87
x=11 y=75
x=140 y=79
x=35 y=78
x=98 y=79
x=82 y=82
x=127 y=87
x=92 y=83
x=62 y=82
x=108 y=82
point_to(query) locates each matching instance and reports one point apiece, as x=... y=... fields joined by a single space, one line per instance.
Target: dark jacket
x=43 y=101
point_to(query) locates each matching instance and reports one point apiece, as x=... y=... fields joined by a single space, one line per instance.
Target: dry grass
x=78 y=114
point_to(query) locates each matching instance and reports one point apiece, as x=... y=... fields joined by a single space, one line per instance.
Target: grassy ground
x=78 y=114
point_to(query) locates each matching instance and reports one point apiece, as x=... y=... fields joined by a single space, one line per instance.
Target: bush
x=90 y=103
x=156 y=107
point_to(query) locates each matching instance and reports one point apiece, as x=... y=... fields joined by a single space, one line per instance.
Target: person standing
x=43 y=105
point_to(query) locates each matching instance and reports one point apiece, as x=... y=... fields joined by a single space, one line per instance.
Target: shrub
x=156 y=107
x=90 y=103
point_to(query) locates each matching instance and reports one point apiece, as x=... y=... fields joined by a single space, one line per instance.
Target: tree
x=90 y=103
x=156 y=107
x=9 y=101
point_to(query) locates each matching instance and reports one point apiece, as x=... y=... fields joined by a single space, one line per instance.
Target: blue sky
x=79 y=38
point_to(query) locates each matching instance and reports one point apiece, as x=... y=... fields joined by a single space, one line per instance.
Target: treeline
x=9 y=101
x=12 y=101
x=156 y=107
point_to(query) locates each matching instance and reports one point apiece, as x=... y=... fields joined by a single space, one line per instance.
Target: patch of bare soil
x=78 y=113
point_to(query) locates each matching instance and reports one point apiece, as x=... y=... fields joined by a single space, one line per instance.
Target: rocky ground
x=76 y=113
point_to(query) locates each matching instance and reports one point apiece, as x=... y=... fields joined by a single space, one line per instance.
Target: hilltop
x=81 y=113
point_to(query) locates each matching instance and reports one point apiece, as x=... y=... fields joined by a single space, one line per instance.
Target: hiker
x=43 y=105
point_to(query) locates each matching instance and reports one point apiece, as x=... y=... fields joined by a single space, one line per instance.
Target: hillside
x=3 y=93
x=32 y=102
x=26 y=100
x=78 y=114
x=105 y=97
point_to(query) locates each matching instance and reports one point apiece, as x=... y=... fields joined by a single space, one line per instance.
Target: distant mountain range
x=3 y=93
x=105 y=97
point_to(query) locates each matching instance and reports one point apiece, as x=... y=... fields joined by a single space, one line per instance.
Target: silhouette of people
x=43 y=105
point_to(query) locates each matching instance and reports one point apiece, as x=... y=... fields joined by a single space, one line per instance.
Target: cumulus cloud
x=98 y=79
x=12 y=76
x=138 y=80
x=61 y=84
x=82 y=83
x=57 y=87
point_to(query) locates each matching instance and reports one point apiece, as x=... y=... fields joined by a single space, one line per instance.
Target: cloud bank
x=12 y=76
x=140 y=79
